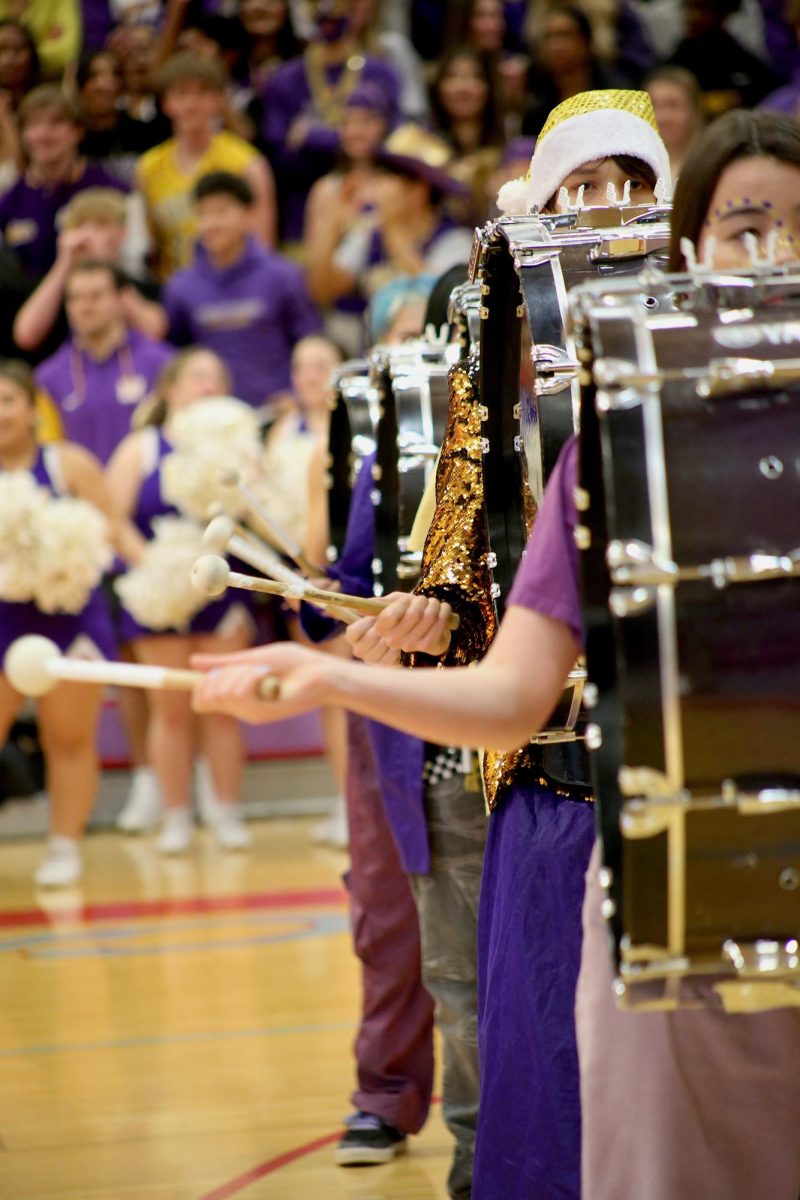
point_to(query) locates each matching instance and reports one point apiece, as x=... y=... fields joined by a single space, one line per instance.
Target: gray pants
x=447 y=902
x=686 y=1105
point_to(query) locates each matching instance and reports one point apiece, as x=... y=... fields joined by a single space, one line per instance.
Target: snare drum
x=690 y=489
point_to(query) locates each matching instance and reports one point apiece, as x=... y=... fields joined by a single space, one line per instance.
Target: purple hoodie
x=251 y=314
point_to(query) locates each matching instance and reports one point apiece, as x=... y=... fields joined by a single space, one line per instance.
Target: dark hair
x=634 y=168
x=36 y=66
x=224 y=183
x=86 y=267
x=491 y=120
x=287 y=43
x=86 y=62
x=19 y=373
x=736 y=135
x=537 y=24
x=189 y=68
x=458 y=25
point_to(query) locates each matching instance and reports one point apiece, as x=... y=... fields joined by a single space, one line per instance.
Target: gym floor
x=181 y=1030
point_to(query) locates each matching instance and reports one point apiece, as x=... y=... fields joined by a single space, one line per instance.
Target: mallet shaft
x=139 y=675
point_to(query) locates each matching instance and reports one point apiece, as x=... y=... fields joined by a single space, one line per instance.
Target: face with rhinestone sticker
x=754 y=211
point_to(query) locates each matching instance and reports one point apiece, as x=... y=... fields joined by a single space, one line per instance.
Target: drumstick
x=221 y=536
x=34 y=665
x=211 y=575
x=271 y=529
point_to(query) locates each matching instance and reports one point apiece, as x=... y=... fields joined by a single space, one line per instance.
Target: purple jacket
x=28 y=216
x=251 y=314
x=399 y=758
x=97 y=399
x=286 y=96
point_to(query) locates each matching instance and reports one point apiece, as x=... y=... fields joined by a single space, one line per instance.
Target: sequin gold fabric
x=454 y=560
x=638 y=104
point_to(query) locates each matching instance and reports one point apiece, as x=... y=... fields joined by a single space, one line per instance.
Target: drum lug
x=625 y=602
x=643 y=781
x=583 y=537
x=593 y=737
x=581 y=498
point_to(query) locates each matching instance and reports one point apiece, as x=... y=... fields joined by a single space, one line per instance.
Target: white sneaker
x=208 y=806
x=61 y=865
x=229 y=828
x=333 y=830
x=177 y=831
x=143 y=806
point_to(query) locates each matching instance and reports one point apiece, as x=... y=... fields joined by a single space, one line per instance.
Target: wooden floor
x=181 y=1030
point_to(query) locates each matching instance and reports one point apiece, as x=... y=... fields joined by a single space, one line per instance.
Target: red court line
x=271 y=1165
x=125 y=910
x=225 y=1190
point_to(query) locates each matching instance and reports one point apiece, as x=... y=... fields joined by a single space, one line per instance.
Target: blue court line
x=122 y=932
x=133 y=1043
x=319 y=926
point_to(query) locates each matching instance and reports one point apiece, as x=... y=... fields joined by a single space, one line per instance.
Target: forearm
x=40 y=311
x=460 y=706
x=148 y=317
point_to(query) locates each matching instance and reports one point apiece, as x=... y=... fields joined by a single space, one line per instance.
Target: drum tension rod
x=635 y=564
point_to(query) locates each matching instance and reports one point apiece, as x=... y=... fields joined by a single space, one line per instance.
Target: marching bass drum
x=689 y=489
x=525 y=267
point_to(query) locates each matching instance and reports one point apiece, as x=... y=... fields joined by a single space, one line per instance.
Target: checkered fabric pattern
x=443 y=762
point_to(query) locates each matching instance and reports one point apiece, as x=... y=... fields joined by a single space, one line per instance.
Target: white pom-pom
x=158 y=592
x=512 y=199
x=74 y=553
x=53 y=550
x=213 y=440
x=25 y=664
x=210 y=575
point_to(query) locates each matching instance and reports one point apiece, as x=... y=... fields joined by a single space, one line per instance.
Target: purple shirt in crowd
x=28 y=216
x=547 y=578
x=251 y=314
x=96 y=400
x=286 y=97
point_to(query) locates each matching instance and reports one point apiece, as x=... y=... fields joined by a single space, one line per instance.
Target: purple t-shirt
x=28 y=216
x=251 y=314
x=547 y=579
x=96 y=400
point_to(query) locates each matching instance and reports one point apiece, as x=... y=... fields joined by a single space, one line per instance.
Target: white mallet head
x=25 y=664
x=218 y=534
x=210 y=575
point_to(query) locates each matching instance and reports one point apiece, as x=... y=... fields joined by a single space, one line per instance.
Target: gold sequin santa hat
x=591 y=125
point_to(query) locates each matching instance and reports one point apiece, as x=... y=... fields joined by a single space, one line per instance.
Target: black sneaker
x=368 y=1141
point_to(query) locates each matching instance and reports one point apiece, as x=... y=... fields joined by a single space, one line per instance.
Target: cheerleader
x=692 y=1103
x=68 y=714
x=135 y=476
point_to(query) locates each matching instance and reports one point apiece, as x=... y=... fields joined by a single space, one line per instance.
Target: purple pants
x=529 y=945
x=394 y=1044
x=687 y=1105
